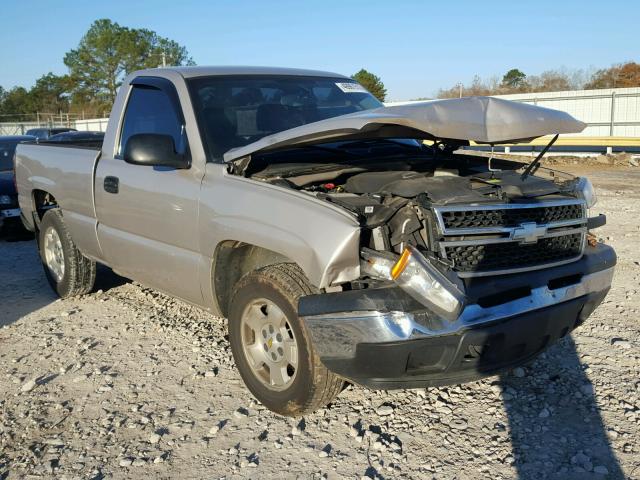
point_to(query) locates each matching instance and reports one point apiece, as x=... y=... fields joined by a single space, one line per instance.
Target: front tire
x=68 y=271
x=271 y=347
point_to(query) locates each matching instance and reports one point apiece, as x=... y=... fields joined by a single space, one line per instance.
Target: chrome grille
x=510 y=217
x=501 y=256
x=498 y=239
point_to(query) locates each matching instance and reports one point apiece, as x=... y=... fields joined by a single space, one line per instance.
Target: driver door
x=148 y=215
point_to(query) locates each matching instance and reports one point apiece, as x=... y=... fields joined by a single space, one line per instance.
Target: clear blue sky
x=416 y=47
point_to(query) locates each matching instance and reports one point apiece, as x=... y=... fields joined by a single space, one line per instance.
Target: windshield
x=7 y=149
x=234 y=111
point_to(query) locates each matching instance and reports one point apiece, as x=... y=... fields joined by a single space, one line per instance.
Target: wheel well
x=232 y=261
x=42 y=201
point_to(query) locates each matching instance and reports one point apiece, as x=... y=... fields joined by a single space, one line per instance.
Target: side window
x=149 y=110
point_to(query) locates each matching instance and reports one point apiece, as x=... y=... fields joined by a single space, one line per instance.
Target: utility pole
x=164 y=59
x=459 y=89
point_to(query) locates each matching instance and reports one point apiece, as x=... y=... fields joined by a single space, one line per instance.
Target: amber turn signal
x=401 y=264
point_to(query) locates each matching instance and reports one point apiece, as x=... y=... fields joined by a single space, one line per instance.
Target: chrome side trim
x=337 y=335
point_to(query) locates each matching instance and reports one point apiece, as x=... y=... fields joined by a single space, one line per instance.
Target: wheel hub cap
x=269 y=344
x=53 y=254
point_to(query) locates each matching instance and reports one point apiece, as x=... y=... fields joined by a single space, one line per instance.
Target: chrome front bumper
x=337 y=335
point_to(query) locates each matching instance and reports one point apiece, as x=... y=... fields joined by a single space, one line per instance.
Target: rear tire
x=68 y=271
x=272 y=349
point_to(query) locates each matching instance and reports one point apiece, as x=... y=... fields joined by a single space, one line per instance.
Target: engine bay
x=394 y=199
x=467 y=213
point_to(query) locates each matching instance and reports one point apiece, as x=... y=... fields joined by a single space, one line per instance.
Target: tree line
x=105 y=55
x=516 y=81
x=108 y=52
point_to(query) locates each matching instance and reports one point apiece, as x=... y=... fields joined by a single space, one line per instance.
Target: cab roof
x=204 y=71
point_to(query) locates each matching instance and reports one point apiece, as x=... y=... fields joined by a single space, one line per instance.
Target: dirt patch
x=599 y=161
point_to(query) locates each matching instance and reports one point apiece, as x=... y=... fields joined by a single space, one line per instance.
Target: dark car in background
x=10 y=221
x=45 y=132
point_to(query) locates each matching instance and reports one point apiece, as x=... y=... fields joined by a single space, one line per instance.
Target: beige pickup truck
x=343 y=240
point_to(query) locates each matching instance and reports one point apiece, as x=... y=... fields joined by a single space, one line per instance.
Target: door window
x=150 y=110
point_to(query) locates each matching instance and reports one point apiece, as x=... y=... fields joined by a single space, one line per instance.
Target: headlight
x=415 y=275
x=585 y=190
x=5 y=200
x=377 y=264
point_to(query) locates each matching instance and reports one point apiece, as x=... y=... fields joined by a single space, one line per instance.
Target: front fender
x=321 y=238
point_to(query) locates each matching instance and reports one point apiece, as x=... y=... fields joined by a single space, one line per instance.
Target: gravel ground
x=128 y=382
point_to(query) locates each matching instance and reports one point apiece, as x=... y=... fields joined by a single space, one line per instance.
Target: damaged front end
x=464 y=283
x=468 y=265
x=464 y=271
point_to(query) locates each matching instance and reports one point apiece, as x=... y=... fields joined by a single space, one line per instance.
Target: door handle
x=111 y=184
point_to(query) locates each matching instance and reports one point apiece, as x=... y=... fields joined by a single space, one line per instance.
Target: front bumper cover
x=382 y=339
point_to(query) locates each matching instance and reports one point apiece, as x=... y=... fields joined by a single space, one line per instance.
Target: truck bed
x=63 y=169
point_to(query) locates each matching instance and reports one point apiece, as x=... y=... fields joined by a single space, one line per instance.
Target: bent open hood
x=479 y=119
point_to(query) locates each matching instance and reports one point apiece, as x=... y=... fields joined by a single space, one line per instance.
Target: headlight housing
x=585 y=190
x=415 y=275
x=5 y=200
x=377 y=264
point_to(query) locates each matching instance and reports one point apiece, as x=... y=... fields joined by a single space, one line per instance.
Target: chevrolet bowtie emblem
x=528 y=232
x=270 y=342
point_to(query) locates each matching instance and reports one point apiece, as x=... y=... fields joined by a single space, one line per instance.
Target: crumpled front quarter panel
x=321 y=238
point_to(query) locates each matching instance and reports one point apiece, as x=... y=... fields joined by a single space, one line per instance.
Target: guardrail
x=605 y=145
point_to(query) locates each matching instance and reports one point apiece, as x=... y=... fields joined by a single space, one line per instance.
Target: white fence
x=611 y=112
x=94 y=124
x=20 y=128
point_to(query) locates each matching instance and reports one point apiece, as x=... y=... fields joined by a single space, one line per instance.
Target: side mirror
x=154 y=150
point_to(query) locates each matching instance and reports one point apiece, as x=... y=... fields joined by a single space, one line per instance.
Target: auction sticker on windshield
x=349 y=87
